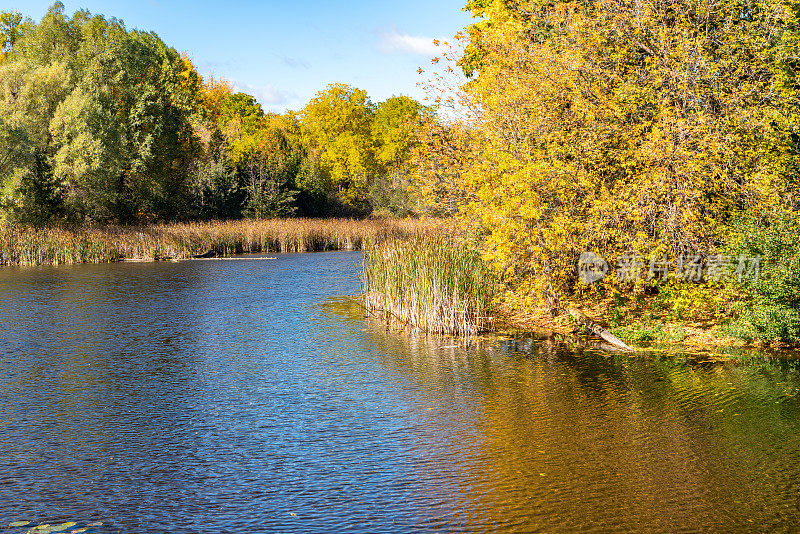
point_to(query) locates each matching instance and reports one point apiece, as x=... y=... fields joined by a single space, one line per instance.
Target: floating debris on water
x=62 y=528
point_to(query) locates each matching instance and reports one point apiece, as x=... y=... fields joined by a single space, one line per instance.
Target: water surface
x=250 y=396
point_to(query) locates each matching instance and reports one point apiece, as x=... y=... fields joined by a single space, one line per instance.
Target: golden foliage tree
x=624 y=126
x=338 y=122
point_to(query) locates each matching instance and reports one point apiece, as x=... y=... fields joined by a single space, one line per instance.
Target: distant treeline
x=104 y=125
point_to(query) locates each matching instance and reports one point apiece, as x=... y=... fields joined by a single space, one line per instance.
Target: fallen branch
x=598 y=330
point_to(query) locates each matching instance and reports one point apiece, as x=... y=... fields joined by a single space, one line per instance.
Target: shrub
x=769 y=310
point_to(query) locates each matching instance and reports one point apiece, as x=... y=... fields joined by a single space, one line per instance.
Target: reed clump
x=35 y=246
x=430 y=283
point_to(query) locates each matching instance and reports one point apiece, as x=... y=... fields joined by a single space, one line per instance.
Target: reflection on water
x=249 y=396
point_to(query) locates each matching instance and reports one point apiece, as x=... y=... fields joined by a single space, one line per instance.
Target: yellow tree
x=213 y=92
x=338 y=123
x=10 y=31
x=395 y=127
x=622 y=126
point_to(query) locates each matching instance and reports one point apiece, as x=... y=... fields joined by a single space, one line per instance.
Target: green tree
x=108 y=117
x=133 y=107
x=29 y=97
x=771 y=308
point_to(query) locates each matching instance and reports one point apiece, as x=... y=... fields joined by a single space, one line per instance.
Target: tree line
x=104 y=125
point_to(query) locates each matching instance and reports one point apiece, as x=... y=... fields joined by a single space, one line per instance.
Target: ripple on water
x=249 y=396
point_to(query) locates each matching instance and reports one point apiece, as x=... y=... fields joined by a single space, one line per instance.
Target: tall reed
x=430 y=283
x=33 y=246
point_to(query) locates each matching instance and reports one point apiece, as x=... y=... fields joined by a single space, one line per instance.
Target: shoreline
x=698 y=340
x=180 y=241
x=226 y=239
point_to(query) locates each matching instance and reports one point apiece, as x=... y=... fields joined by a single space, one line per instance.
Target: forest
x=104 y=125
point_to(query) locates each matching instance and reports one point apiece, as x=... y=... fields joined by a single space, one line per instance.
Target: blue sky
x=284 y=52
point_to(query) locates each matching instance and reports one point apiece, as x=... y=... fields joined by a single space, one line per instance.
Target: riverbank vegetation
x=36 y=246
x=661 y=137
x=102 y=125
x=434 y=284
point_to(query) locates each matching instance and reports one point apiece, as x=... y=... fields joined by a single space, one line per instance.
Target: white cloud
x=296 y=63
x=267 y=95
x=394 y=41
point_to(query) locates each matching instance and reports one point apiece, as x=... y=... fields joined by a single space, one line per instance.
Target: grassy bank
x=643 y=322
x=433 y=284
x=35 y=246
x=436 y=284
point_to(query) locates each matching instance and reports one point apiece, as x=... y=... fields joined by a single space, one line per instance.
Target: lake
x=250 y=395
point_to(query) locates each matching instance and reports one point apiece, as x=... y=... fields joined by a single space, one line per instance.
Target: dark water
x=247 y=396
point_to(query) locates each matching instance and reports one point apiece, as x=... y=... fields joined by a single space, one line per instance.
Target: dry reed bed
x=35 y=246
x=433 y=284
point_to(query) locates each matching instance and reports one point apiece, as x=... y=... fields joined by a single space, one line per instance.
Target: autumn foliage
x=618 y=127
x=100 y=124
